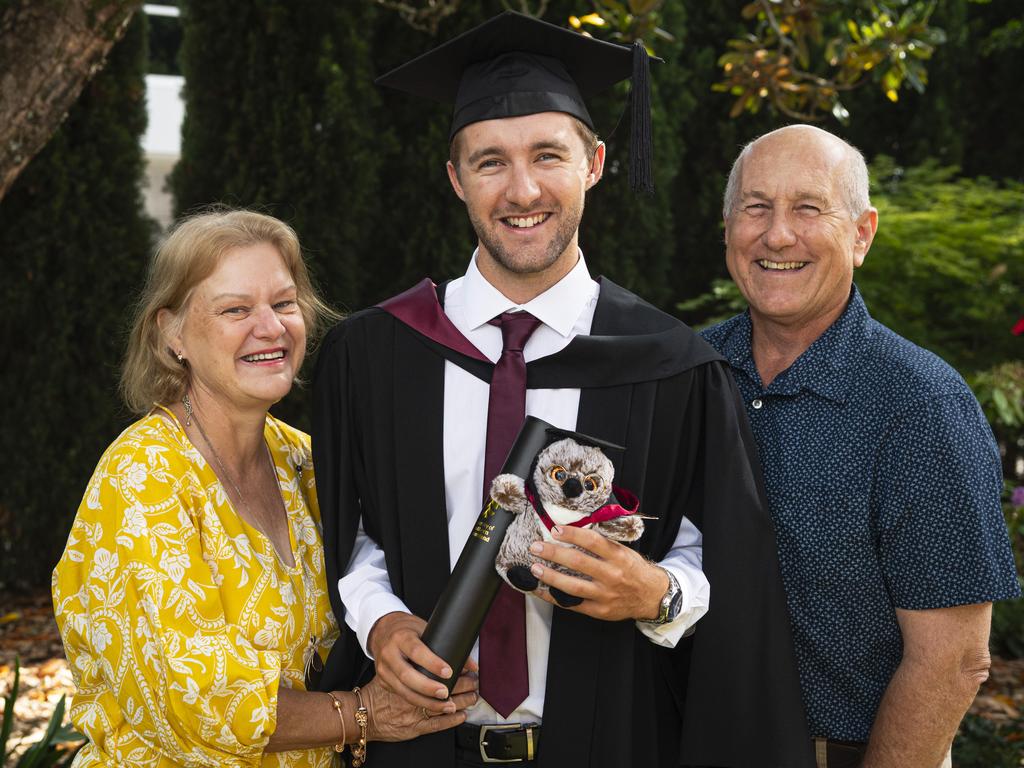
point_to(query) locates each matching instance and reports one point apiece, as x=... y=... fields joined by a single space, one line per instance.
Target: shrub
x=75 y=241
x=981 y=743
x=47 y=752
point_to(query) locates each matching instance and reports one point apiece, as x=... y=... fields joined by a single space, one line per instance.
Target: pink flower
x=1017 y=497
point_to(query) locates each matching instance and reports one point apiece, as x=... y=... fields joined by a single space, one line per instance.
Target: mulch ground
x=28 y=632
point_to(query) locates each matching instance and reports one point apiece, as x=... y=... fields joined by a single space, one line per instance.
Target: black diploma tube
x=473 y=585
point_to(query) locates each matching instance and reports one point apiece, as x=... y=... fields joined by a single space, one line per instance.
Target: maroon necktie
x=504 y=681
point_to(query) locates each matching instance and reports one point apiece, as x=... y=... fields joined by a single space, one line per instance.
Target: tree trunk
x=49 y=49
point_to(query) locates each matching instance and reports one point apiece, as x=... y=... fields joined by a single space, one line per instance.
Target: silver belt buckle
x=485 y=729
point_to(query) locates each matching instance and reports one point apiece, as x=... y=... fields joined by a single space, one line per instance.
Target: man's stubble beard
x=506 y=258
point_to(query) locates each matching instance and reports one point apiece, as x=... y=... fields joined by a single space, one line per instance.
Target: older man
x=883 y=477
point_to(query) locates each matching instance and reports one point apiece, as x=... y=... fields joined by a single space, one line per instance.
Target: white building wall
x=162 y=141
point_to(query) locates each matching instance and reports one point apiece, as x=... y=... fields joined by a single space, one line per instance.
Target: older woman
x=191 y=595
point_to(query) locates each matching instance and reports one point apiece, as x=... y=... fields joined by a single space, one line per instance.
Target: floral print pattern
x=179 y=619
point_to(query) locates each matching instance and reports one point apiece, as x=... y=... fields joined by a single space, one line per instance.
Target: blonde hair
x=151 y=373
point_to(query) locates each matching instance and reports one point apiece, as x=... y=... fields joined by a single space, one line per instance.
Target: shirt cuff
x=371 y=609
x=696 y=591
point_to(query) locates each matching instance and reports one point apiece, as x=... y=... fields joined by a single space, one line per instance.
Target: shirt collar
x=558 y=307
x=822 y=368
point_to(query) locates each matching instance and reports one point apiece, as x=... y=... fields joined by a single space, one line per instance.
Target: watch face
x=675 y=604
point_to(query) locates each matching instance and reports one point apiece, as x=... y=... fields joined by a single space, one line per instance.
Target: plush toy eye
x=591 y=483
x=558 y=474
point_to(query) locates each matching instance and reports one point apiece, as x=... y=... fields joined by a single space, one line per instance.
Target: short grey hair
x=853 y=183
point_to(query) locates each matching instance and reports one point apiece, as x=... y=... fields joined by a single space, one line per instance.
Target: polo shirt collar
x=559 y=307
x=823 y=366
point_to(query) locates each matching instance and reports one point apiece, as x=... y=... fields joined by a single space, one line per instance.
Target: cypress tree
x=279 y=119
x=74 y=241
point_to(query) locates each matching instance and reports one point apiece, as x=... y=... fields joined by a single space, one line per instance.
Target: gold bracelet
x=363 y=721
x=340 y=746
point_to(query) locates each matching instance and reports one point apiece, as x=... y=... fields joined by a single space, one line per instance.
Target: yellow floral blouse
x=179 y=619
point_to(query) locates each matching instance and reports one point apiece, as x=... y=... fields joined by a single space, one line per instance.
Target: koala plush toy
x=571 y=485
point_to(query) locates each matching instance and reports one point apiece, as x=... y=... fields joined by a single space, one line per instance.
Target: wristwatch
x=671 y=602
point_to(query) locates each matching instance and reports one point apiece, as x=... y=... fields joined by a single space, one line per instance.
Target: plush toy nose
x=572 y=488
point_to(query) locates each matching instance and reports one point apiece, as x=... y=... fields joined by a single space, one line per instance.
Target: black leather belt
x=830 y=753
x=509 y=743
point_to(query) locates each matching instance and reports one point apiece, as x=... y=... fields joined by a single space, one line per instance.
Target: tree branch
x=426 y=19
x=48 y=52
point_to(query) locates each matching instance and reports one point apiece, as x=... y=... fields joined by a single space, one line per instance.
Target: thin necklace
x=190 y=416
x=313 y=665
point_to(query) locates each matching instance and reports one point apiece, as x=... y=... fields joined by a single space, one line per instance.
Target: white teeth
x=264 y=356
x=528 y=221
x=781 y=265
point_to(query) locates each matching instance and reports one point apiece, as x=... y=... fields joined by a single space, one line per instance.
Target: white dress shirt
x=565 y=310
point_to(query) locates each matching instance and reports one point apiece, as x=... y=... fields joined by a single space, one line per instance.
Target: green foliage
x=45 y=753
x=281 y=121
x=1007 y=638
x=802 y=55
x=990 y=75
x=278 y=121
x=964 y=117
x=709 y=142
x=632 y=239
x=981 y=743
x=717 y=305
x=625 y=23
x=945 y=268
x=8 y=722
x=1000 y=390
x=74 y=241
x=1001 y=393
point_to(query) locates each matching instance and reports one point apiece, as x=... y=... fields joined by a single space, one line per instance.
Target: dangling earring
x=181 y=359
x=188 y=410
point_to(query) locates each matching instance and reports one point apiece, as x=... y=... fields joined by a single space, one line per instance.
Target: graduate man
x=417 y=401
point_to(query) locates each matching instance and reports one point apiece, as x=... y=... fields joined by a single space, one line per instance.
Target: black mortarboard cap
x=515 y=65
x=555 y=434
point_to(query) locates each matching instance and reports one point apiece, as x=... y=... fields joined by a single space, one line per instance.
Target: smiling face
x=572 y=480
x=791 y=241
x=242 y=332
x=523 y=180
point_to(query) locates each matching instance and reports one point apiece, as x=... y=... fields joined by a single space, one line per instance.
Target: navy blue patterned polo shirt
x=883 y=481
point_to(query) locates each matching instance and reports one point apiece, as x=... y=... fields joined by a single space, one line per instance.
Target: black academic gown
x=727 y=696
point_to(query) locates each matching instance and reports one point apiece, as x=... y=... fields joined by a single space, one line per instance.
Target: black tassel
x=641 y=144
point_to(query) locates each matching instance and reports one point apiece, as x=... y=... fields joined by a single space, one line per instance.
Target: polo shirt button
x=757 y=403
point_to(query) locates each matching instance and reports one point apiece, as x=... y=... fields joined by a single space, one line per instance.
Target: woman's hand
x=392 y=718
